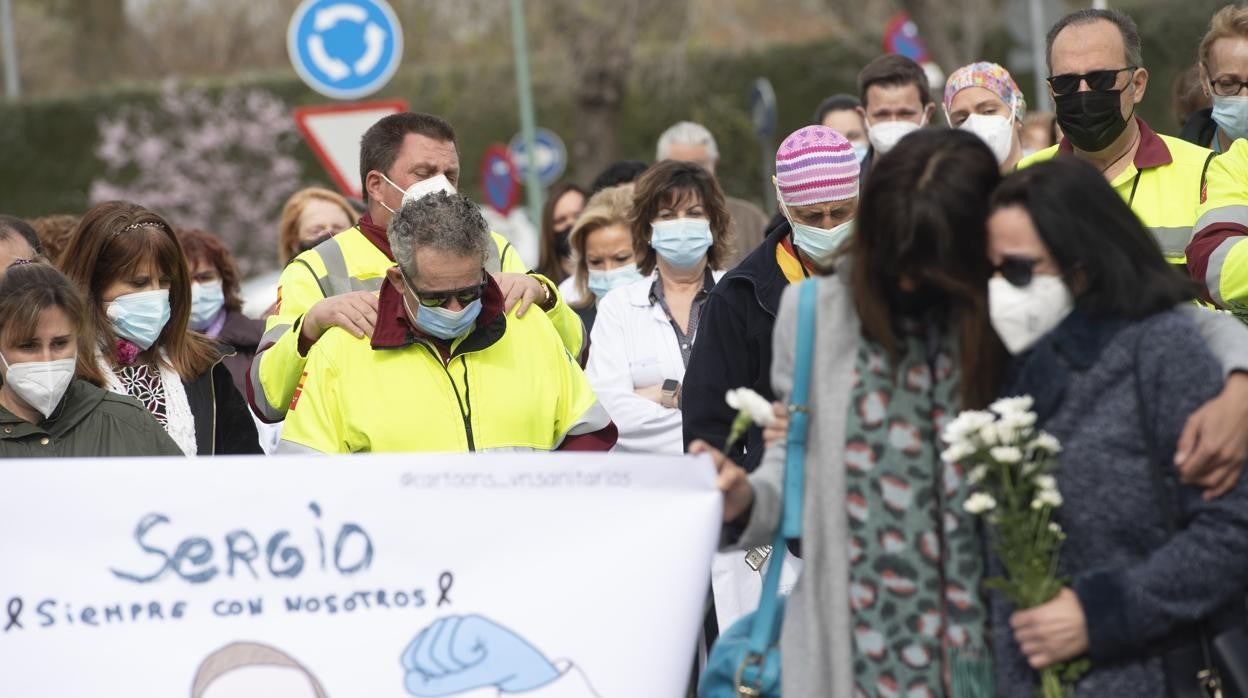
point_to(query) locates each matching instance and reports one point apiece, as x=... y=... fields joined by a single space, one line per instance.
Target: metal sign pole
x=532 y=184
x=12 y=81
x=1038 y=59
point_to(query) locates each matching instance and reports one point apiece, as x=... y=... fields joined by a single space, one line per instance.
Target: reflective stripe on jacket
x=1218 y=255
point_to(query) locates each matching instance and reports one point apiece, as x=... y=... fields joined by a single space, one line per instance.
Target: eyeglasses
x=439 y=299
x=1017 y=270
x=1098 y=81
x=1227 y=85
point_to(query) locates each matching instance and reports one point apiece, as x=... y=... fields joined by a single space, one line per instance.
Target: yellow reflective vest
x=1218 y=255
x=1162 y=185
x=348 y=262
x=509 y=384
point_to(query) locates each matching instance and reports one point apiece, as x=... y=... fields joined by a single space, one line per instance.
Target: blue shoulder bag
x=745 y=661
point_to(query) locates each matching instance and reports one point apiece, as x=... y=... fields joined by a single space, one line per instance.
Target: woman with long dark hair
x=564 y=203
x=128 y=264
x=1085 y=301
x=51 y=401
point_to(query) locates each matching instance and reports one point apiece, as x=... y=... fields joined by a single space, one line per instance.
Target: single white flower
x=957 y=452
x=979 y=503
x=1012 y=405
x=1019 y=421
x=989 y=435
x=977 y=474
x=966 y=425
x=746 y=400
x=1046 y=482
x=1046 y=442
x=1047 y=498
x=1008 y=455
x=1054 y=527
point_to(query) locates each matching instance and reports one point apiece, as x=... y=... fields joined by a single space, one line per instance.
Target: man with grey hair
x=448 y=368
x=1097 y=77
x=692 y=142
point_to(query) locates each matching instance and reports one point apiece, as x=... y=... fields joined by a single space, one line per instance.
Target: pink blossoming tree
x=222 y=162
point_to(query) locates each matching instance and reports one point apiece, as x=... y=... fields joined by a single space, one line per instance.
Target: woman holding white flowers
x=644 y=332
x=1083 y=298
x=904 y=342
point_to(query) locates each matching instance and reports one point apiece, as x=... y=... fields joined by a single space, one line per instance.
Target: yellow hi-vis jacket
x=351 y=261
x=509 y=384
x=1162 y=185
x=1218 y=255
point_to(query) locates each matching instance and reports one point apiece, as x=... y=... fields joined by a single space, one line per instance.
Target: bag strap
x=790 y=524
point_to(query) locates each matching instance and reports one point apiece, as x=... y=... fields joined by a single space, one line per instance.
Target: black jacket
x=243 y=334
x=223 y=423
x=734 y=349
x=1199 y=128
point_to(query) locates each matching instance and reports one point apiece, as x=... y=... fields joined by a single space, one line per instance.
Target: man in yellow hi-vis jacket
x=446 y=369
x=402 y=157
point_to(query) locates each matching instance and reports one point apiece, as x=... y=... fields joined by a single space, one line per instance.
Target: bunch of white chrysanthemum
x=1009 y=466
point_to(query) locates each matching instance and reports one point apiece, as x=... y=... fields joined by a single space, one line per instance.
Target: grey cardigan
x=816 y=650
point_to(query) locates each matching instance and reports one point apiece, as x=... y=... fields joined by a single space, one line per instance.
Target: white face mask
x=996 y=131
x=884 y=136
x=41 y=384
x=1022 y=316
x=421 y=189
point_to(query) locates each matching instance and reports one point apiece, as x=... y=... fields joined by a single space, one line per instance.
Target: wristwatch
x=548 y=296
x=671 y=392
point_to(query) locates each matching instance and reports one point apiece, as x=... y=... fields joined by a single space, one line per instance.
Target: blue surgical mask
x=601 y=282
x=440 y=322
x=1231 y=114
x=140 y=317
x=819 y=243
x=682 y=242
x=861 y=148
x=207 y=300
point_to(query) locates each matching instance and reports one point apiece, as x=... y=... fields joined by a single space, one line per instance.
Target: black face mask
x=1091 y=120
x=305 y=245
x=562 y=245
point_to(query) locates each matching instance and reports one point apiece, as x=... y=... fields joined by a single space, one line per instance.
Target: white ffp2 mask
x=1023 y=316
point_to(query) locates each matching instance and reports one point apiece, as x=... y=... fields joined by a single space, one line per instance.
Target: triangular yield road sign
x=333 y=132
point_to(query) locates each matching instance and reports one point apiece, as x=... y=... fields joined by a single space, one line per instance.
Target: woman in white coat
x=644 y=332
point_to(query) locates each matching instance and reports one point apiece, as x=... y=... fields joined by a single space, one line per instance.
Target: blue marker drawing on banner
x=345 y=49
x=458 y=654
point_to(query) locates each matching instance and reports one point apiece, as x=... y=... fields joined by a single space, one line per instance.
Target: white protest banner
x=489 y=575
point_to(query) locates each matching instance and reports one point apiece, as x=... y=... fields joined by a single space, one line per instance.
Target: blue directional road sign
x=552 y=156
x=344 y=49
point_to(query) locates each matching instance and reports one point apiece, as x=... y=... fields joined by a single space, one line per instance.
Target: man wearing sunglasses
x=1097 y=77
x=402 y=157
x=447 y=368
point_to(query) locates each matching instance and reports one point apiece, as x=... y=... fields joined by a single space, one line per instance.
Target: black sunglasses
x=1017 y=270
x=1098 y=81
x=439 y=299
